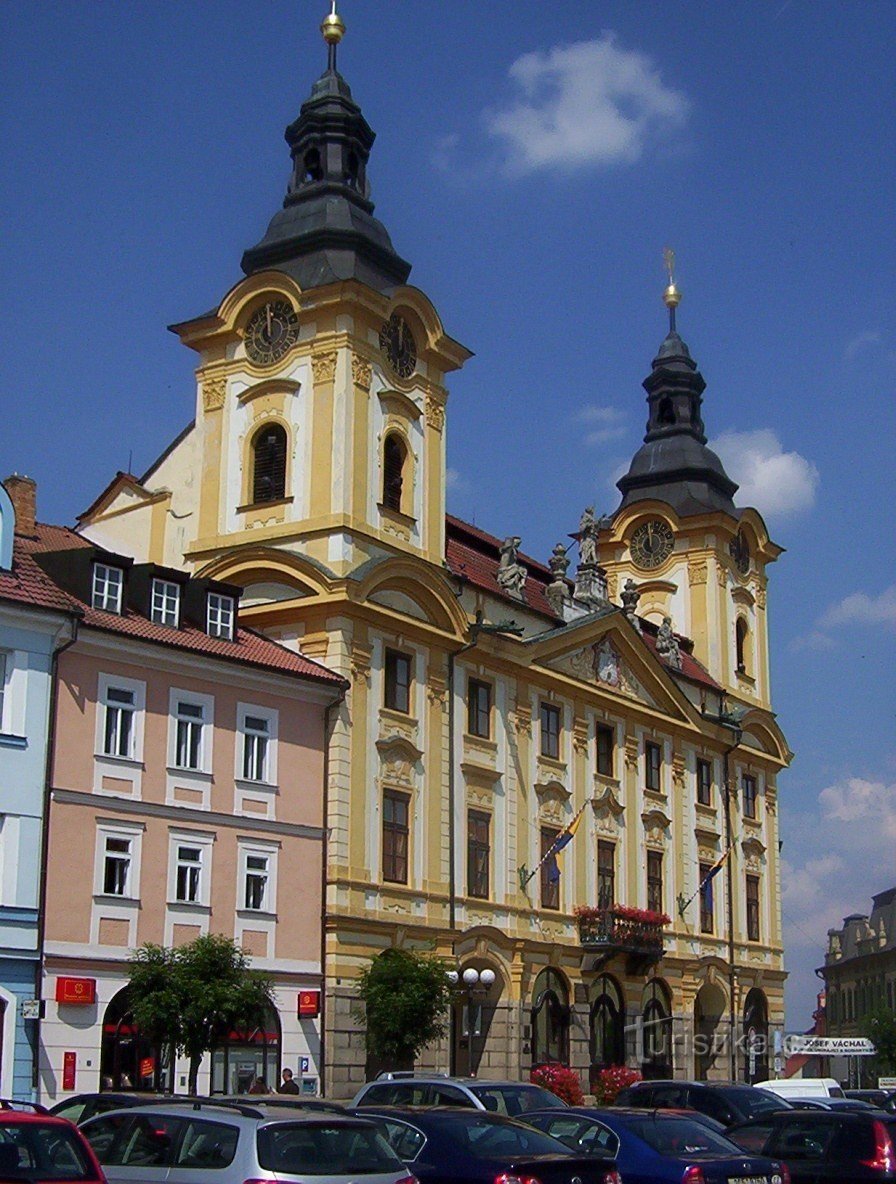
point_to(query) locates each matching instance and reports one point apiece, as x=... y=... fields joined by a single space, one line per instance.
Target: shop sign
x=309 y=1003
x=147 y=1066
x=77 y=992
x=69 y=1069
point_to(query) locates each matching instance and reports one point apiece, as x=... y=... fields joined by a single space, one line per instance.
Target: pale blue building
x=36 y=620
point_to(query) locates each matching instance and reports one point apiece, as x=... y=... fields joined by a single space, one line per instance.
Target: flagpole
x=550 y=851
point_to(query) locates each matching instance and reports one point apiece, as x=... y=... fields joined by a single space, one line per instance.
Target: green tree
x=406 y=996
x=188 y=999
x=879 y=1025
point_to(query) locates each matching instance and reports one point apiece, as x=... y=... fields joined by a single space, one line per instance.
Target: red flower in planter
x=610 y=1082
x=560 y=1080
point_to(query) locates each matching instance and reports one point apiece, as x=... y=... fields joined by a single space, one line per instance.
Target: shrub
x=611 y=1081
x=560 y=1080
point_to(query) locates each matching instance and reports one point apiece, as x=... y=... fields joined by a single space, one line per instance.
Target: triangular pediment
x=123 y=492
x=609 y=654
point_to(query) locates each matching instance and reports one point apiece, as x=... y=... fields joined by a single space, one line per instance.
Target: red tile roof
x=690 y=667
x=248 y=646
x=474 y=555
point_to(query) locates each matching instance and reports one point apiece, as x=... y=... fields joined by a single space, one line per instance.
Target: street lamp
x=473 y=984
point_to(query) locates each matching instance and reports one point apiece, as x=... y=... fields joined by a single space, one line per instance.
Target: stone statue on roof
x=511 y=575
x=667 y=644
x=630 y=596
x=588 y=532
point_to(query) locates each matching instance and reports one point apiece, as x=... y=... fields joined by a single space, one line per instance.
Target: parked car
x=510 y=1098
x=80 y=1107
x=831 y=1104
x=36 y=1146
x=825 y=1145
x=724 y=1101
x=193 y=1142
x=463 y=1145
x=656 y=1146
x=803 y=1087
x=884 y=1099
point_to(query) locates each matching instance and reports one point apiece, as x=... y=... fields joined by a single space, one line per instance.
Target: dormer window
x=165 y=606
x=220 y=616
x=108 y=584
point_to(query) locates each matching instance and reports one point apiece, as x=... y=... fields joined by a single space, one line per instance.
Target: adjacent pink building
x=186 y=797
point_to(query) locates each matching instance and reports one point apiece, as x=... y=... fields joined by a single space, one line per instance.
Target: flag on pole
x=715 y=869
x=549 y=859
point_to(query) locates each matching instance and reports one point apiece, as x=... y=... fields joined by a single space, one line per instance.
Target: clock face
x=739 y=550
x=271 y=332
x=652 y=543
x=397 y=343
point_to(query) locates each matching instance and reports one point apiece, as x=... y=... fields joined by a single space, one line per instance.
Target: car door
x=802 y=1141
x=134 y=1148
x=204 y=1152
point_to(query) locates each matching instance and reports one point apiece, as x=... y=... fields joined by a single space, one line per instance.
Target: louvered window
x=269 y=464
x=393 y=472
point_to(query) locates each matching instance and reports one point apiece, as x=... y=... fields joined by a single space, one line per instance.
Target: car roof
x=42 y=1118
x=233 y=1110
x=438 y=1079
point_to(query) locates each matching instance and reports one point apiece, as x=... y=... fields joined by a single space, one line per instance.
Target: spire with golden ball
x=333 y=29
x=671 y=296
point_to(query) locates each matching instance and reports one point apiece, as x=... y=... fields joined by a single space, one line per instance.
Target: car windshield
x=753 y=1102
x=512 y=1100
x=48 y=1152
x=325 y=1149
x=679 y=1136
x=488 y=1138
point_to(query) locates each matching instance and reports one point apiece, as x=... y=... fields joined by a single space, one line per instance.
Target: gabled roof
x=26 y=584
x=474 y=555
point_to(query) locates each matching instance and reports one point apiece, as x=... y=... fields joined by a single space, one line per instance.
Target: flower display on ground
x=560 y=1080
x=610 y=1082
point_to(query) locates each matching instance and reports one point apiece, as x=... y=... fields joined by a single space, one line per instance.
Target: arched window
x=741 y=638
x=394 y=457
x=607 y=1035
x=246 y=1055
x=656 y=1019
x=755 y=1036
x=312 y=170
x=550 y=1019
x=126 y=1055
x=269 y=463
x=666 y=412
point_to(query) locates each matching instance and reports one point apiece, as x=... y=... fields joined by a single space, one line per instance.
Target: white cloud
x=774 y=481
x=583 y=104
x=607 y=423
x=814 y=641
x=861 y=609
x=861 y=341
x=862 y=801
x=456 y=482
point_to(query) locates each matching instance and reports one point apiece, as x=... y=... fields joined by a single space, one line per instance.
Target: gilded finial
x=333 y=29
x=671 y=296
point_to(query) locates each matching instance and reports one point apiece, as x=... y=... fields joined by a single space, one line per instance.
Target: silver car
x=204 y=1142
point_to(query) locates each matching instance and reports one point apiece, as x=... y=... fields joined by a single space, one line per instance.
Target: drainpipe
x=49 y=773
x=729 y=794
x=325 y=846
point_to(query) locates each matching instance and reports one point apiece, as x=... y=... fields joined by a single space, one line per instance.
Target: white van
x=803 y=1087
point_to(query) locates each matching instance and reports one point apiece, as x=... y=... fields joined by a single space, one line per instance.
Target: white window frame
x=268 y=851
x=106 y=592
x=220 y=616
x=109 y=682
x=201 y=841
x=244 y=713
x=164 y=604
x=132 y=834
x=204 y=703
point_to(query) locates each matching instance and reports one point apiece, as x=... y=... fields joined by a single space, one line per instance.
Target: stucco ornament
x=606 y=664
x=323 y=366
x=667 y=644
x=362 y=372
x=511 y=573
x=435 y=413
x=213 y=393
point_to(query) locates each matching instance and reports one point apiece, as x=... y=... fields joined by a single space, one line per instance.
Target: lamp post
x=472 y=985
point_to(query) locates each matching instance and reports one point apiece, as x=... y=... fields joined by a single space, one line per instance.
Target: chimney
x=23 y=495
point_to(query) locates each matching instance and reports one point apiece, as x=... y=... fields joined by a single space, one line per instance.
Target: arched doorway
x=550 y=1019
x=755 y=1036
x=709 y=1038
x=247 y=1054
x=472 y=1017
x=656 y=1021
x=607 y=1025
x=127 y=1058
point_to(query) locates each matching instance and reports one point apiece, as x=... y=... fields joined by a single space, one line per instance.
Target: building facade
x=186 y=798
x=494 y=700
x=36 y=620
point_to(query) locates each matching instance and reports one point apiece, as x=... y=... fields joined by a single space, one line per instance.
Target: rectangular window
x=188 y=741
x=749 y=786
x=108 y=584
x=256 y=741
x=606 y=874
x=704 y=783
x=188 y=880
x=550 y=730
x=395 y=837
x=653 y=766
x=257 y=876
x=117 y=866
x=752 y=908
x=479 y=709
x=655 y=881
x=397 y=693
x=707 y=912
x=219 y=611
x=606 y=743
x=165 y=606
x=118 y=731
x=550 y=878
x=478 y=853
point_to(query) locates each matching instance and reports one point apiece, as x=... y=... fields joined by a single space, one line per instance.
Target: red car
x=37 y=1147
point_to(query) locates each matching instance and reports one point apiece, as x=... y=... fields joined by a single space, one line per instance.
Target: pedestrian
x=287 y=1085
x=259 y=1086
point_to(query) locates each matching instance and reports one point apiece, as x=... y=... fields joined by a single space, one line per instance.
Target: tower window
x=394 y=456
x=269 y=464
x=741 y=636
x=311 y=166
x=666 y=412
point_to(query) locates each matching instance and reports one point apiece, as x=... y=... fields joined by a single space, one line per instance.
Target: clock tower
x=677 y=533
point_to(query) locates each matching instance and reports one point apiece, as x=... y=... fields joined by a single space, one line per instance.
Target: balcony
x=635 y=933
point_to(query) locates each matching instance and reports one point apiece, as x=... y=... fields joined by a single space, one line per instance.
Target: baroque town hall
x=630 y=700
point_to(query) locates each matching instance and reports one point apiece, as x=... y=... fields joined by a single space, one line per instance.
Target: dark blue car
x=454 y=1145
x=658 y=1147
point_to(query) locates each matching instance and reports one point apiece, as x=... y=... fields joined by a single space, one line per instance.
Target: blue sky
x=532 y=161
